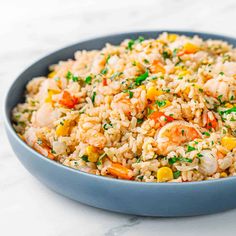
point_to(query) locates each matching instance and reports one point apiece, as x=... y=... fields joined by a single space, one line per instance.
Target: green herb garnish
x=141 y=78
x=190 y=148
x=53 y=152
x=206 y=133
x=233 y=109
x=107 y=126
x=131 y=94
x=177 y=174
x=140 y=121
x=85 y=158
x=104 y=71
x=93 y=97
x=165 y=55
x=88 y=79
x=161 y=103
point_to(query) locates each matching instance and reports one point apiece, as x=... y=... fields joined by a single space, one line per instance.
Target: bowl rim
x=9 y=126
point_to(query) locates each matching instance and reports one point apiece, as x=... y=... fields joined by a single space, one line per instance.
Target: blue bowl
x=146 y=199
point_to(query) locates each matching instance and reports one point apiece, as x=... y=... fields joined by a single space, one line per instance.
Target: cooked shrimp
x=94 y=138
x=130 y=102
x=218 y=88
x=208 y=162
x=174 y=134
x=45 y=116
x=31 y=139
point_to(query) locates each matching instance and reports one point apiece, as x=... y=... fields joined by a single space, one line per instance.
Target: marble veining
x=31 y=29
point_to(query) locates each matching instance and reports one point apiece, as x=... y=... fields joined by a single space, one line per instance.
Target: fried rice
x=151 y=110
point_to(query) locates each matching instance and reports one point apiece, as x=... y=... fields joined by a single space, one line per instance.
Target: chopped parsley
x=140 y=121
x=166 y=90
x=39 y=141
x=165 y=55
x=181 y=159
x=131 y=94
x=161 y=103
x=221 y=73
x=99 y=162
x=104 y=71
x=176 y=174
x=141 y=78
x=220 y=97
x=175 y=51
x=85 y=158
x=116 y=75
x=233 y=109
x=53 y=152
x=108 y=58
x=107 y=126
x=190 y=148
x=206 y=133
x=72 y=77
x=149 y=111
x=88 y=79
x=199 y=155
x=93 y=97
x=132 y=42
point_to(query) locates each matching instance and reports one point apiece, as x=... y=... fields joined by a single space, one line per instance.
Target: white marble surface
x=30 y=29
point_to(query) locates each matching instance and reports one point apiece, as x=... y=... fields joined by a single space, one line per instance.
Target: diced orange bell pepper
x=188 y=48
x=157 y=67
x=157 y=115
x=68 y=100
x=211 y=123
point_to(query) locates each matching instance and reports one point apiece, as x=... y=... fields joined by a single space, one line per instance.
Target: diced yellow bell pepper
x=228 y=142
x=143 y=87
x=184 y=73
x=172 y=37
x=228 y=105
x=92 y=153
x=63 y=128
x=52 y=74
x=48 y=99
x=190 y=48
x=164 y=174
x=152 y=93
x=223 y=175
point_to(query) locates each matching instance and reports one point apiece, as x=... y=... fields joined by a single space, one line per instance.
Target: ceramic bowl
x=146 y=199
